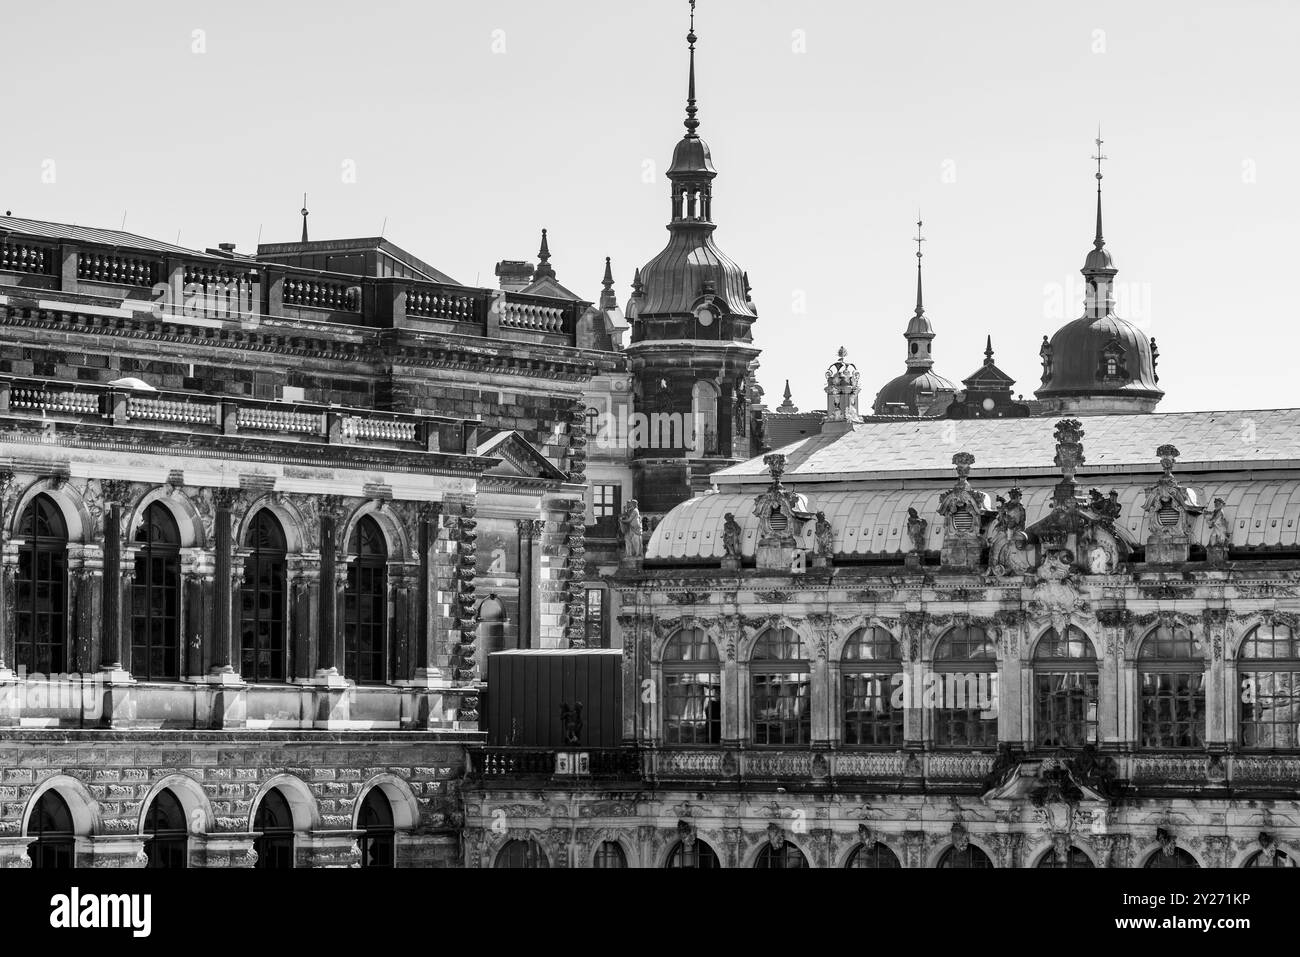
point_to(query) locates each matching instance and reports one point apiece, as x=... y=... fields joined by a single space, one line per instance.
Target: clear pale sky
x=473 y=125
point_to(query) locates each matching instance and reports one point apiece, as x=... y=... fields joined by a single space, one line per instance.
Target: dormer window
x=1112 y=364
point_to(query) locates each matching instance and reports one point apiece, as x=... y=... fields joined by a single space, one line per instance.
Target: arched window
x=1072 y=858
x=968 y=857
x=692 y=690
x=156 y=598
x=787 y=856
x=872 y=671
x=1065 y=690
x=365 y=606
x=1269 y=677
x=704 y=409
x=263 y=650
x=698 y=854
x=274 y=824
x=377 y=841
x=166 y=841
x=521 y=854
x=876 y=855
x=54 y=842
x=1172 y=674
x=1270 y=858
x=40 y=590
x=780 y=686
x=609 y=854
x=1174 y=857
x=962 y=692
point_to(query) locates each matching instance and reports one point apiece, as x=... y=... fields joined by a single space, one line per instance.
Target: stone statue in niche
x=731 y=537
x=917 y=527
x=630 y=524
x=1219 y=526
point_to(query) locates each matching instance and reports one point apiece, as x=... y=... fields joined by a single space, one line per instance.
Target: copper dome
x=1099 y=357
x=692 y=155
x=913 y=393
x=689 y=267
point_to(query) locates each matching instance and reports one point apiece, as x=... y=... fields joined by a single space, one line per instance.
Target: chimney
x=514 y=275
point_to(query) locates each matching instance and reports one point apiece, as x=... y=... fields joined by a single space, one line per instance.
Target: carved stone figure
x=731 y=536
x=917 y=527
x=823 y=537
x=1220 y=527
x=630 y=523
x=1008 y=554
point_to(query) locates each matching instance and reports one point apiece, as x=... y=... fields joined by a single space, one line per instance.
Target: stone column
x=913 y=628
x=1111 y=717
x=225 y=616
x=819 y=697
x=1220 y=713
x=426 y=666
x=119 y=577
x=7 y=597
x=328 y=663
x=735 y=696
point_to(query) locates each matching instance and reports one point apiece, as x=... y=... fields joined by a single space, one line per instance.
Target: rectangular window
x=606 y=503
x=781 y=709
x=692 y=708
x=595 y=619
x=1173 y=710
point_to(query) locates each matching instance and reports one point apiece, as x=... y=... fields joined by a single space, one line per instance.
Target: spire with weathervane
x=920 y=334
x=1099 y=268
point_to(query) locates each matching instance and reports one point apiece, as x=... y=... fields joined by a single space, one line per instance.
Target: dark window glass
x=1268 y=667
x=1178 y=858
x=51 y=826
x=787 y=856
x=1171 y=671
x=609 y=854
x=263 y=650
x=877 y=855
x=1065 y=690
x=871 y=670
x=365 y=606
x=155 y=598
x=692 y=690
x=780 y=686
x=40 y=590
x=521 y=854
x=964 y=689
x=274 y=824
x=1072 y=858
x=166 y=837
x=698 y=854
x=378 y=839
x=971 y=857
x=594 y=627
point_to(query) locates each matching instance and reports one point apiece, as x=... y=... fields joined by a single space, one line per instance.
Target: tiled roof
x=909 y=447
x=86 y=234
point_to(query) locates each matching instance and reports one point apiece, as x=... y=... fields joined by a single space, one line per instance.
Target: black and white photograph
x=391 y=480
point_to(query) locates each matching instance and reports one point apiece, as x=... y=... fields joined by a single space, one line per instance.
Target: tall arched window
x=788 y=856
x=1072 y=858
x=1065 y=690
x=872 y=671
x=275 y=838
x=962 y=858
x=962 y=692
x=1173 y=857
x=155 y=598
x=263 y=651
x=697 y=854
x=704 y=409
x=54 y=841
x=609 y=855
x=876 y=855
x=40 y=589
x=1268 y=666
x=378 y=840
x=1270 y=858
x=780 y=686
x=166 y=841
x=692 y=689
x=521 y=854
x=365 y=606
x=1171 y=669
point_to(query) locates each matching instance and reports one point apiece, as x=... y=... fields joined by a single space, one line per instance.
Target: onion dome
x=1099 y=362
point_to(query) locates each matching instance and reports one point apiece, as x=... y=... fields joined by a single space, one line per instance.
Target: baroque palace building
x=966 y=630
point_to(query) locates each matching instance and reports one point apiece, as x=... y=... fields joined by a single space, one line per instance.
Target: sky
x=461 y=130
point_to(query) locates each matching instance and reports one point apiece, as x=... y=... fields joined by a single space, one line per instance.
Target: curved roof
x=913 y=391
x=674 y=280
x=692 y=155
x=1077 y=361
x=873 y=521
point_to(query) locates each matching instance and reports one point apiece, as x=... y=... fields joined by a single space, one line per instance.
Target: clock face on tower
x=705 y=316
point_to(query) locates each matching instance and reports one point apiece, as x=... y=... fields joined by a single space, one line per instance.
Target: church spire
x=691 y=124
x=1099 y=268
x=919 y=332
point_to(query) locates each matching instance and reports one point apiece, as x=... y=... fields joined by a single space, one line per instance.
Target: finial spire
x=607 y=297
x=988 y=351
x=691 y=124
x=305 y=214
x=544 y=267
x=918 y=239
x=1098 y=242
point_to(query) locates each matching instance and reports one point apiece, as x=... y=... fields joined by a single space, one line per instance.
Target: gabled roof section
x=519 y=457
x=548 y=286
x=39 y=229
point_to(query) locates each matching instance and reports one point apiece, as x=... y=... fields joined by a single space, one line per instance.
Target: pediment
x=519 y=457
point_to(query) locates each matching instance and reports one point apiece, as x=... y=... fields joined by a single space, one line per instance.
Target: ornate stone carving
x=629 y=523
x=1009 y=553
x=731 y=537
